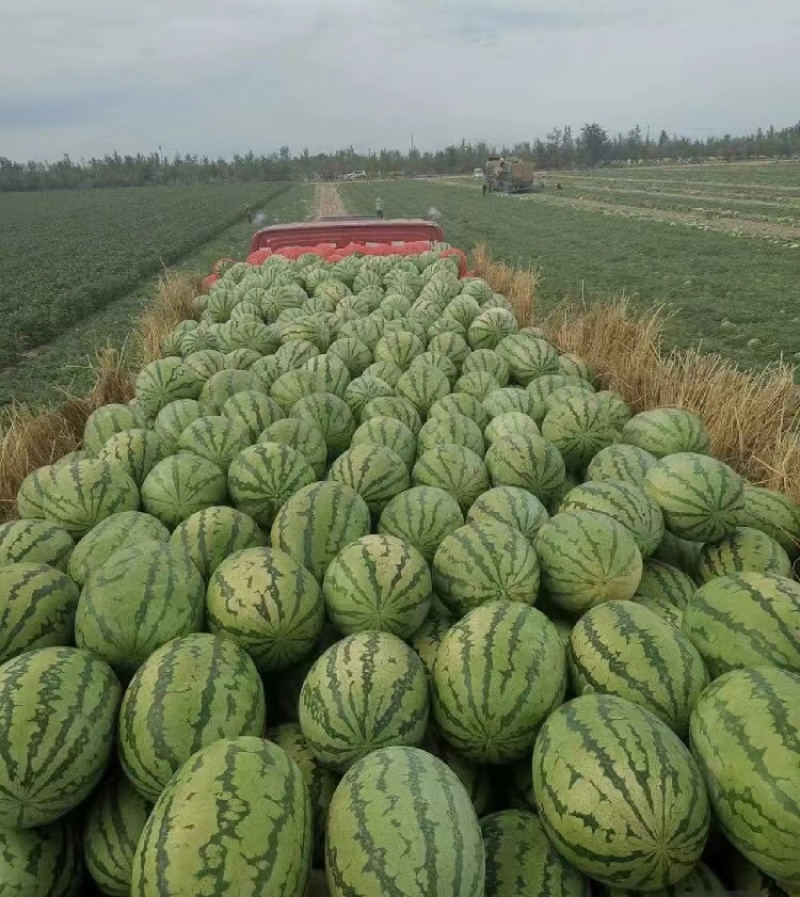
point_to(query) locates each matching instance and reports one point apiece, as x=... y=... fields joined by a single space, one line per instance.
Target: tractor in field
x=511 y=175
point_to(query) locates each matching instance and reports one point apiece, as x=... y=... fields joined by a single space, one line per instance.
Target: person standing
x=379 y=208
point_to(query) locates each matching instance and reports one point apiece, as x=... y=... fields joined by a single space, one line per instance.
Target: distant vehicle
x=358 y=175
x=478 y=174
x=511 y=175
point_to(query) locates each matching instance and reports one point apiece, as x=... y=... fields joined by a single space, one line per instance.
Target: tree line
x=561 y=149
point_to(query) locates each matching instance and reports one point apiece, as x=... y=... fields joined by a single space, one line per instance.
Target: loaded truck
x=511 y=175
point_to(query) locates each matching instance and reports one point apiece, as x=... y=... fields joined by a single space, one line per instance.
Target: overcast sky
x=86 y=77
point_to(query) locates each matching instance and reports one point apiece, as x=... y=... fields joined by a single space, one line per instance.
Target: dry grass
x=519 y=284
x=173 y=303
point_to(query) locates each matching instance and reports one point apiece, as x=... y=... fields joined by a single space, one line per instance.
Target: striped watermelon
x=399 y=348
x=317 y=522
x=57 y=712
x=35 y=542
x=575 y=366
x=519 y=854
x=528 y=462
x=743 y=550
x=579 y=427
x=267 y=369
x=506 y=400
x=144 y=595
x=331 y=416
x=701 y=498
x=619 y=795
x=453 y=345
x=385 y=370
x=262 y=477
x=774 y=514
x=423 y=385
x=490 y=328
x=541 y=388
x=163 y=381
x=490 y=361
x=510 y=423
x=455 y=429
x=528 y=357
x=43 y=861
x=375 y=472
x=621 y=462
x=209 y=536
x=664 y=589
x=476 y=779
x=77 y=496
x=388 y=432
x=366 y=692
x=254 y=409
x=587 y=558
x=187 y=694
x=426 y=640
x=701 y=880
x=303 y=437
x=268 y=604
x=619 y=648
x=330 y=374
x=619 y=412
x=241 y=359
x=498 y=673
x=116 y=531
x=512 y=506
x=355 y=355
x=116 y=818
x=205 y=363
x=463 y=308
x=224 y=384
x=626 y=504
x=364 y=389
x=455 y=469
x=745 y=877
x=180 y=485
x=401 y=822
x=667 y=431
x=745 y=620
x=290 y=387
x=174 y=418
x=255 y=838
x=105 y=421
x=378 y=582
x=393 y=406
x=461 y=403
x=680 y=553
x=321 y=782
x=422 y=516
x=217 y=439
x=439 y=362
x=483 y=562
x=136 y=451
x=744 y=734
x=311 y=328
x=478 y=384
x=37 y=608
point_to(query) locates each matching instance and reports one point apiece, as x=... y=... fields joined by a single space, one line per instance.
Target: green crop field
x=76 y=267
x=719 y=244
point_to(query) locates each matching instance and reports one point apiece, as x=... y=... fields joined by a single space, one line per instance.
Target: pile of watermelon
x=372 y=591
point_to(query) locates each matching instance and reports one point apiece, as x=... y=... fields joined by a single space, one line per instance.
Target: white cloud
x=219 y=77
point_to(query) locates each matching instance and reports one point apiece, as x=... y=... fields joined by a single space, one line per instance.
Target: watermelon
x=105 y=421
x=399 y=348
x=463 y=308
x=321 y=782
x=667 y=431
x=385 y=370
x=141 y=597
x=455 y=469
x=507 y=400
x=163 y=381
x=510 y=423
x=42 y=861
x=621 y=462
x=393 y=406
x=187 y=694
x=254 y=409
x=422 y=516
x=619 y=795
x=255 y=837
x=423 y=386
x=483 y=562
x=745 y=620
x=224 y=384
x=478 y=384
x=528 y=462
x=512 y=506
x=356 y=356
x=303 y=437
x=744 y=735
x=268 y=604
x=744 y=876
x=575 y=366
x=311 y=328
x=680 y=553
x=366 y=692
x=57 y=712
x=180 y=485
x=364 y=389
x=263 y=476
x=587 y=558
x=267 y=369
x=217 y=439
x=435 y=360
x=205 y=363
x=116 y=531
x=518 y=853
x=498 y=673
x=455 y=429
x=426 y=640
x=296 y=353
x=490 y=361
x=388 y=432
x=209 y=536
x=626 y=504
x=453 y=345
x=542 y=388
x=375 y=472
x=412 y=845
x=37 y=608
x=317 y=522
x=528 y=357
x=490 y=328
x=579 y=427
x=330 y=374
x=117 y=815
x=241 y=359
x=290 y=387
x=619 y=648
x=78 y=495
x=461 y=403
x=378 y=582
x=35 y=542
x=136 y=451
x=743 y=550
x=174 y=418
x=774 y=514
x=333 y=418
x=475 y=778
x=664 y=589
x=701 y=880
x=701 y=498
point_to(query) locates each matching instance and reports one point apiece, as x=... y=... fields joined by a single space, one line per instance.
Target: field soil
x=327 y=202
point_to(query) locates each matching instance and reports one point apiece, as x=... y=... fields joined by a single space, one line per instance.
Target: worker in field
x=379 y=208
x=247 y=213
x=558 y=186
x=484 y=188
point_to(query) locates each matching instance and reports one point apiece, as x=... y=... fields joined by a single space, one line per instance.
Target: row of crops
x=372 y=591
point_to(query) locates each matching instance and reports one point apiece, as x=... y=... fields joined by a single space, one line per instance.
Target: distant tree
x=593 y=143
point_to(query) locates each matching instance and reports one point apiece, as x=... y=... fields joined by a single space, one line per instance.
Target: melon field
x=365 y=585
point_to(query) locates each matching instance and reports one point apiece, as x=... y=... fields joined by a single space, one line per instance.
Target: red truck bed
x=343 y=231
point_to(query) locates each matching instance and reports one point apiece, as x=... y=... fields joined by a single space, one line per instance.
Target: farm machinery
x=511 y=175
